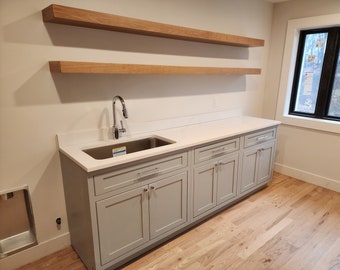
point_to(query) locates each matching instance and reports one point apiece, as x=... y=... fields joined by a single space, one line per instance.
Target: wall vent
x=17 y=230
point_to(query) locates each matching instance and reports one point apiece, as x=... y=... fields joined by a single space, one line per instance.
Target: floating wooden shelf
x=114 y=68
x=92 y=19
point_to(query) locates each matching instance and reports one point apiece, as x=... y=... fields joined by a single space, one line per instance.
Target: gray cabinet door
x=122 y=223
x=249 y=164
x=265 y=164
x=227 y=178
x=205 y=187
x=168 y=204
x=257 y=165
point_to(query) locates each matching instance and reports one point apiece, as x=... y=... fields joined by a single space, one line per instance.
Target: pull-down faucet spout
x=115 y=129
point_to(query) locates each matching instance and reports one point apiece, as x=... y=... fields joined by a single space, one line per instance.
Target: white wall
x=308 y=154
x=36 y=105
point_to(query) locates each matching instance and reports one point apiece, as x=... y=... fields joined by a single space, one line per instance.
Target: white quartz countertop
x=184 y=137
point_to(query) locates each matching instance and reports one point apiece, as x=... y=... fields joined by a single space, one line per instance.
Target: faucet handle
x=122 y=129
x=116 y=130
x=116 y=133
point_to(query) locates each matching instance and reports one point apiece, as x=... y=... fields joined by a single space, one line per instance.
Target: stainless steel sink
x=104 y=152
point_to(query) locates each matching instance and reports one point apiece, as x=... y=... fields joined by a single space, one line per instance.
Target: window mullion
x=297 y=73
x=333 y=86
x=327 y=75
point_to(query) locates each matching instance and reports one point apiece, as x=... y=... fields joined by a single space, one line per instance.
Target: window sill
x=310 y=123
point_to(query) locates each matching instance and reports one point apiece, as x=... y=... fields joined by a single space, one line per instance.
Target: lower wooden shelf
x=115 y=68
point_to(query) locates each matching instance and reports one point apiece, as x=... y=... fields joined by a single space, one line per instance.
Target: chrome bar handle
x=147 y=173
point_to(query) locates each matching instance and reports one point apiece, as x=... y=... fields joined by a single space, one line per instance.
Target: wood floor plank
x=331 y=258
x=263 y=238
x=289 y=225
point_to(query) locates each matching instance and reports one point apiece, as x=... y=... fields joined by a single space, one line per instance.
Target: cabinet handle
x=259 y=151
x=218 y=150
x=262 y=138
x=145 y=190
x=147 y=173
x=153 y=188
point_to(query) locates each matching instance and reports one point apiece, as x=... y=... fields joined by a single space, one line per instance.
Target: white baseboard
x=308 y=177
x=35 y=253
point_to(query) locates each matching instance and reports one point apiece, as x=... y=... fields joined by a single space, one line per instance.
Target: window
x=292 y=107
x=316 y=84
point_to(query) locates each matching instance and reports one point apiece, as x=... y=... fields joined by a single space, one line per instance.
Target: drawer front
x=215 y=150
x=123 y=177
x=259 y=137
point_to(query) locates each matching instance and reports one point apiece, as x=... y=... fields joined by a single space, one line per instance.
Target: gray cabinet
x=168 y=204
x=122 y=223
x=227 y=175
x=117 y=213
x=214 y=179
x=204 y=191
x=128 y=220
x=231 y=169
x=258 y=159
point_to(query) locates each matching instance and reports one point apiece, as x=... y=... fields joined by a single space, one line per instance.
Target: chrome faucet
x=115 y=129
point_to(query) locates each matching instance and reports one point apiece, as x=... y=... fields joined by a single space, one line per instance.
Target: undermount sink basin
x=128 y=147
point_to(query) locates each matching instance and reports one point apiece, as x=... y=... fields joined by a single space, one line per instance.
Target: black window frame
x=327 y=74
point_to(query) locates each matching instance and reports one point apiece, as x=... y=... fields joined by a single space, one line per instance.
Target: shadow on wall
x=63 y=35
x=38 y=89
x=78 y=37
x=27 y=30
x=103 y=87
x=68 y=88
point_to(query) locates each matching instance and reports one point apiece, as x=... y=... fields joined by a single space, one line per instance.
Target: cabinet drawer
x=259 y=137
x=217 y=149
x=123 y=177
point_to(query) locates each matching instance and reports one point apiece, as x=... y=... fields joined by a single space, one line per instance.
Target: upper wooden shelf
x=92 y=19
x=114 y=68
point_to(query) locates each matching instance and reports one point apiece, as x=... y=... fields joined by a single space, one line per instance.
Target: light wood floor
x=289 y=225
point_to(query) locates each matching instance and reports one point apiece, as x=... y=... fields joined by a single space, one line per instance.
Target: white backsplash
x=135 y=128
